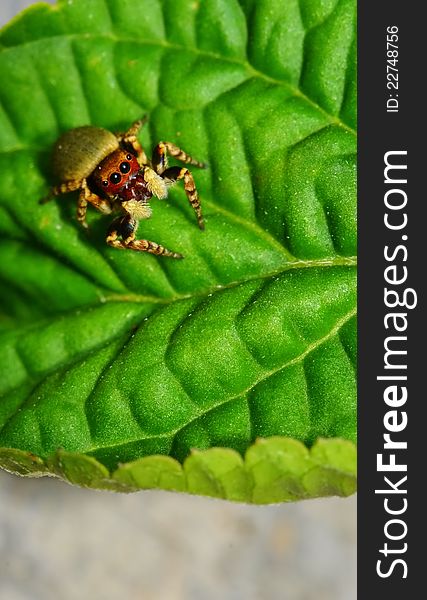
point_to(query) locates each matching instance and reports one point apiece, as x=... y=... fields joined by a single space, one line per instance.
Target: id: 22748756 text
x=392 y=54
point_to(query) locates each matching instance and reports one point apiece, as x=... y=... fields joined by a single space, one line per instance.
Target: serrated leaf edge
x=230 y=478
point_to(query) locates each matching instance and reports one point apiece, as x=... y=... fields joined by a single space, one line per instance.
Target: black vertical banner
x=392 y=324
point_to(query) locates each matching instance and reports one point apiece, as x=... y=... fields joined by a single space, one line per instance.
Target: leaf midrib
x=265 y=375
x=139 y=298
x=339 y=261
x=134 y=298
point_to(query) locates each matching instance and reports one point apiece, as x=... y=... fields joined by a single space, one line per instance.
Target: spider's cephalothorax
x=113 y=173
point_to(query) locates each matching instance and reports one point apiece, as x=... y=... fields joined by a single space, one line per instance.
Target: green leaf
x=117 y=366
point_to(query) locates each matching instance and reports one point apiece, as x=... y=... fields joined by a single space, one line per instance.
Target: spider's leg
x=130 y=137
x=125 y=227
x=62 y=188
x=174 y=174
x=160 y=158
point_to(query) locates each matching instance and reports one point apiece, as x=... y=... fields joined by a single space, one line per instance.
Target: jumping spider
x=113 y=173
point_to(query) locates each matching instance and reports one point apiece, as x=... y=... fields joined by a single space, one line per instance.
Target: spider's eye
x=124 y=167
x=129 y=156
x=115 y=178
x=105 y=182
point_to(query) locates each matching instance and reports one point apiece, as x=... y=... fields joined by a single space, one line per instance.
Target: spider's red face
x=115 y=171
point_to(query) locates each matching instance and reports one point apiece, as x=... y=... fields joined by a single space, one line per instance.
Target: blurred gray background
x=58 y=542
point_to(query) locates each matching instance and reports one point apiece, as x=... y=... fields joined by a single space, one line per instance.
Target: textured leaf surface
x=113 y=356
